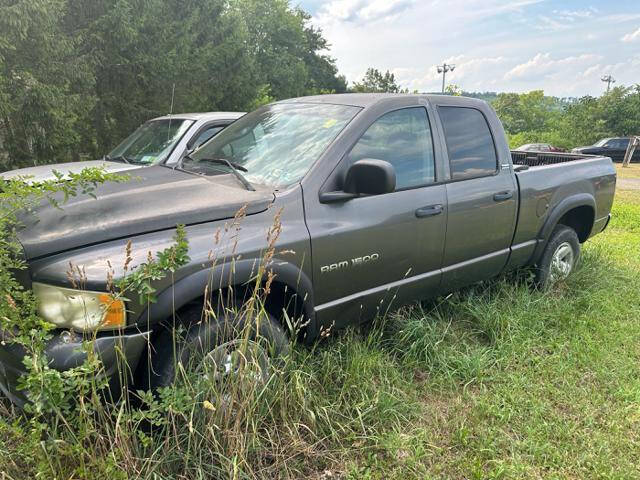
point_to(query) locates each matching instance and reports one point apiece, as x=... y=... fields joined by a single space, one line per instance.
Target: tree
x=287 y=50
x=376 y=82
x=453 y=90
x=322 y=71
x=140 y=49
x=524 y=112
x=77 y=76
x=44 y=87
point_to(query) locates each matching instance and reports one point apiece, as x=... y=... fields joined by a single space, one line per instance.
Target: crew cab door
x=372 y=251
x=482 y=198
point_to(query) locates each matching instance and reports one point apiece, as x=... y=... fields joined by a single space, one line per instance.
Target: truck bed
x=553 y=177
x=537 y=159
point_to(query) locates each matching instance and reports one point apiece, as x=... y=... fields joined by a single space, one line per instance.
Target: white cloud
x=360 y=11
x=632 y=36
x=573 y=15
x=499 y=45
x=542 y=64
x=551 y=24
x=621 y=17
x=592 y=71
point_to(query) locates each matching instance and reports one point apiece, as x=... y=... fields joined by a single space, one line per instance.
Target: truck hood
x=154 y=198
x=45 y=172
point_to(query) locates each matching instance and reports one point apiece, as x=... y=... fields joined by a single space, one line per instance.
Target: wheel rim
x=561 y=262
x=234 y=358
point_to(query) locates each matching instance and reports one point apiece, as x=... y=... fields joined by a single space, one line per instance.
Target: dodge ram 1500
x=382 y=199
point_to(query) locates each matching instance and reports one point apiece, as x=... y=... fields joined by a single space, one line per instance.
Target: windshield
x=152 y=142
x=275 y=145
x=602 y=142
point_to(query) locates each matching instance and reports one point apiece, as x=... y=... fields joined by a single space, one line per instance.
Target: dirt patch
x=628 y=184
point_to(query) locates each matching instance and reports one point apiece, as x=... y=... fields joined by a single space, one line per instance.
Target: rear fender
x=566 y=205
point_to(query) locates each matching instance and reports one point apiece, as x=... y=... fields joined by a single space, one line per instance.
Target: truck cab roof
x=365 y=100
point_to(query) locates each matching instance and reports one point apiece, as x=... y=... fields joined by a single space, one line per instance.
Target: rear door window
x=472 y=152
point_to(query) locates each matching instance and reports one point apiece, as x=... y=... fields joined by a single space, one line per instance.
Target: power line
x=443 y=69
x=609 y=80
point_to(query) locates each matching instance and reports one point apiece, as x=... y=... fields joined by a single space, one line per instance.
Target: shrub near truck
x=380 y=200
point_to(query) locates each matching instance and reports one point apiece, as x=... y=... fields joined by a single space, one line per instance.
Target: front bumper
x=64 y=351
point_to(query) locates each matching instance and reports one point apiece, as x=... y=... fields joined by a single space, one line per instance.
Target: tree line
x=77 y=76
x=535 y=118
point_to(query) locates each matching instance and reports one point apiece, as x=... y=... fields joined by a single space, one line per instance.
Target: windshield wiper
x=234 y=167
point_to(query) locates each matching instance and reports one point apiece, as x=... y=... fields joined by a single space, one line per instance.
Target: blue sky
x=562 y=47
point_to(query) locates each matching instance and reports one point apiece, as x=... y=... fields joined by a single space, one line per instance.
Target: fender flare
x=225 y=275
x=567 y=204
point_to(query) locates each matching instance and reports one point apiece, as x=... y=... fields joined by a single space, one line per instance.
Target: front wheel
x=218 y=349
x=559 y=257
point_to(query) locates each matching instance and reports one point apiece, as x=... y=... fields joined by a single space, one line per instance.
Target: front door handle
x=429 y=211
x=502 y=196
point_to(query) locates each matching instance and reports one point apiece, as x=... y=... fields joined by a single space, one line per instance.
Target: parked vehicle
x=614 y=148
x=162 y=140
x=538 y=147
x=382 y=200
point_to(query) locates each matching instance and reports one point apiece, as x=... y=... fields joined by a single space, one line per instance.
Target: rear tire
x=559 y=257
x=202 y=340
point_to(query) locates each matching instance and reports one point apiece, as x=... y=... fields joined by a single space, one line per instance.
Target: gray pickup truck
x=381 y=200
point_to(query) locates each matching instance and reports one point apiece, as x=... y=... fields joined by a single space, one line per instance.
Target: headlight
x=79 y=309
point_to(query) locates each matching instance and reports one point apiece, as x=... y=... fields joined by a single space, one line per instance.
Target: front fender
x=229 y=274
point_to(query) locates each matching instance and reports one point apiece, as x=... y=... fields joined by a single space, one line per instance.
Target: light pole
x=443 y=69
x=609 y=80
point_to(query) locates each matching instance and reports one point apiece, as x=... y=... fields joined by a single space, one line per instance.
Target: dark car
x=538 y=147
x=614 y=148
x=378 y=199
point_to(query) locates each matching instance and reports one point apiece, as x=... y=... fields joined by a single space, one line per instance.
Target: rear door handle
x=429 y=211
x=502 y=196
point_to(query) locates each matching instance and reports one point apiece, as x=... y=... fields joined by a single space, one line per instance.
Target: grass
x=496 y=381
x=632 y=171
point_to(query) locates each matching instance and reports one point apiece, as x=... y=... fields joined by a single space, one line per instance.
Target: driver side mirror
x=365 y=177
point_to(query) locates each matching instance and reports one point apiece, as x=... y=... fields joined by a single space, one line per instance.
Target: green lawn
x=493 y=382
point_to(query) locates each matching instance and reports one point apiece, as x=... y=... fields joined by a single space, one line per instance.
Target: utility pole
x=443 y=69
x=609 y=80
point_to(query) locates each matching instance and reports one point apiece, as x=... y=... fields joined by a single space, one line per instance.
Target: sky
x=561 y=47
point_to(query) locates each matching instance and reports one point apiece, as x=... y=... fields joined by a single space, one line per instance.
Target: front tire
x=559 y=258
x=213 y=346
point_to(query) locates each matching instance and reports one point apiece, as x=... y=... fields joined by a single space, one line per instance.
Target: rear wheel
x=559 y=257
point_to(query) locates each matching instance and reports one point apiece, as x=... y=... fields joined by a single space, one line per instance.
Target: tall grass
x=495 y=381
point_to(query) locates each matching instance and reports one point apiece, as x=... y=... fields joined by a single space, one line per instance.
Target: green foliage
x=49 y=390
x=77 y=76
x=16 y=196
x=453 y=89
x=141 y=279
x=375 y=81
x=534 y=118
x=496 y=381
